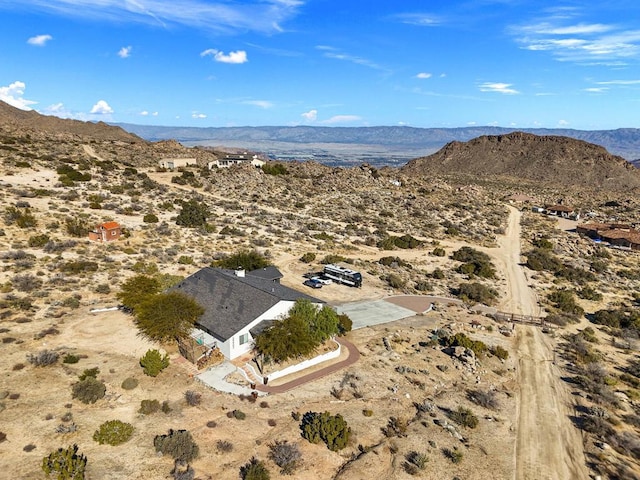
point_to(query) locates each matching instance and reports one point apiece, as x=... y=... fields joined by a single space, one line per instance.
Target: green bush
x=254 y=470
x=329 y=259
x=89 y=372
x=193 y=214
x=465 y=417
x=239 y=415
x=461 y=340
x=474 y=263
x=129 y=383
x=439 y=252
x=404 y=242
x=153 y=362
x=179 y=444
x=476 y=293
x=308 y=257
x=331 y=429
x=275 y=169
x=150 y=218
x=70 y=358
x=499 y=352
x=39 y=240
x=147 y=407
x=246 y=259
x=565 y=301
x=113 y=432
x=89 y=390
x=65 y=464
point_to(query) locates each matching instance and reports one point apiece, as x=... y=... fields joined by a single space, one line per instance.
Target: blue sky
x=510 y=63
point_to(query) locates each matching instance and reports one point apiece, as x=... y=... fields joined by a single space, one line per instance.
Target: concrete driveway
x=373 y=312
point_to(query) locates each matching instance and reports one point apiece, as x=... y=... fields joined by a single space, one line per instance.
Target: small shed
x=106 y=232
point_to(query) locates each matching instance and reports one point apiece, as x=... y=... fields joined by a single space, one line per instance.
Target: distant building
x=106 y=232
x=615 y=234
x=237 y=159
x=173 y=163
x=563 y=211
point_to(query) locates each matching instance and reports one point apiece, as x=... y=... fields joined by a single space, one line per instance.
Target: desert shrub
x=79 y=266
x=129 y=383
x=193 y=214
x=113 y=432
x=623 y=317
x=65 y=464
x=239 y=414
x=89 y=390
x=182 y=471
x=179 y=444
x=165 y=407
x=395 y=281
x=22 y=217
x=150 y=218
x=193 y=398
x=29 y=448
x=499 y=352
x=89 y=372
x=345 y=324
x=136 y=290
x=543 y=243
x=308 y=257
x=439 y=252
x=396 y=427
x=103 y=288
x=454 y=454
x=367 y=412
x=464 y=417
x=153 y=362
x=70 y=358
x=461 y=340
x=565 y=301
x=285 y=455
x=562 y=319
x=224 y=446
x=26 y=282
x=474 y=263
x=541 y=259
x=590 y=293
x=331 y=429
x=38 y=240
x=76 y=227
x=476 y=293
x=332 y=258
x=274 y=169
x=147 y=407
x=484 y=398
x=254 y=469
x=415 y=462
x=246 y=259
x=43 y=358
x=166 y=316
x=626 y=443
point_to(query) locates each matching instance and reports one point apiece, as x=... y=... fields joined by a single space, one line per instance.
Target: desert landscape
x=457 y=392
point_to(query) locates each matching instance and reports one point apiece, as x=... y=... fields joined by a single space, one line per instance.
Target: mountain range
x=396 y=145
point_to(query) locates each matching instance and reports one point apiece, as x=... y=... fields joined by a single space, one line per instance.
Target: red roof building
x=106 y=232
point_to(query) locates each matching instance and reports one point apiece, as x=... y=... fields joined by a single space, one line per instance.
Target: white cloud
x=39 y=40
x=330 y=52
x=504 y=88
x=423 y=75
x=420 y=19
x=237 y=57
x=259 y=103
x=101 y=108
x=125 y=52
x=620 y=82
x=198 y=115
x=342 y=119
x=310 y=116
x=563 y=123
x=13 y=95
x=596 y=89
x=265 y=16
x=145 y=113
x=585 y=43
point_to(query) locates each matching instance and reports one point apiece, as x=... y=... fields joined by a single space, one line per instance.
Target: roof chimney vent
x=240 y=272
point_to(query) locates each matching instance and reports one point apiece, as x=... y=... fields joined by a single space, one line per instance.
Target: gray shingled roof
x=267 y=273
x=232 y=302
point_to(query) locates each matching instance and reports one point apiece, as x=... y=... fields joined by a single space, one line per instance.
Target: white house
x=231 y=159
x=237 y=305
x=173 y=163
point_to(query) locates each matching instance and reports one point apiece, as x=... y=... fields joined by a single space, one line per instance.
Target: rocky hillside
x=545 y=159
x=11 y=117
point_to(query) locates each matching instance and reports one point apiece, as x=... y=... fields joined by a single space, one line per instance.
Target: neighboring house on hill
x=236 y=159
x=620 y=235
x=561 y=211
x=237 y=305
x=173 y=163
x=106 y=232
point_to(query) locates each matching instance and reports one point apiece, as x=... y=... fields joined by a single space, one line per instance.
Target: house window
x=113 y=233
x=244 y=338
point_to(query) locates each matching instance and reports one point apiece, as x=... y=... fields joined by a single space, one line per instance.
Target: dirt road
x=548 y=446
